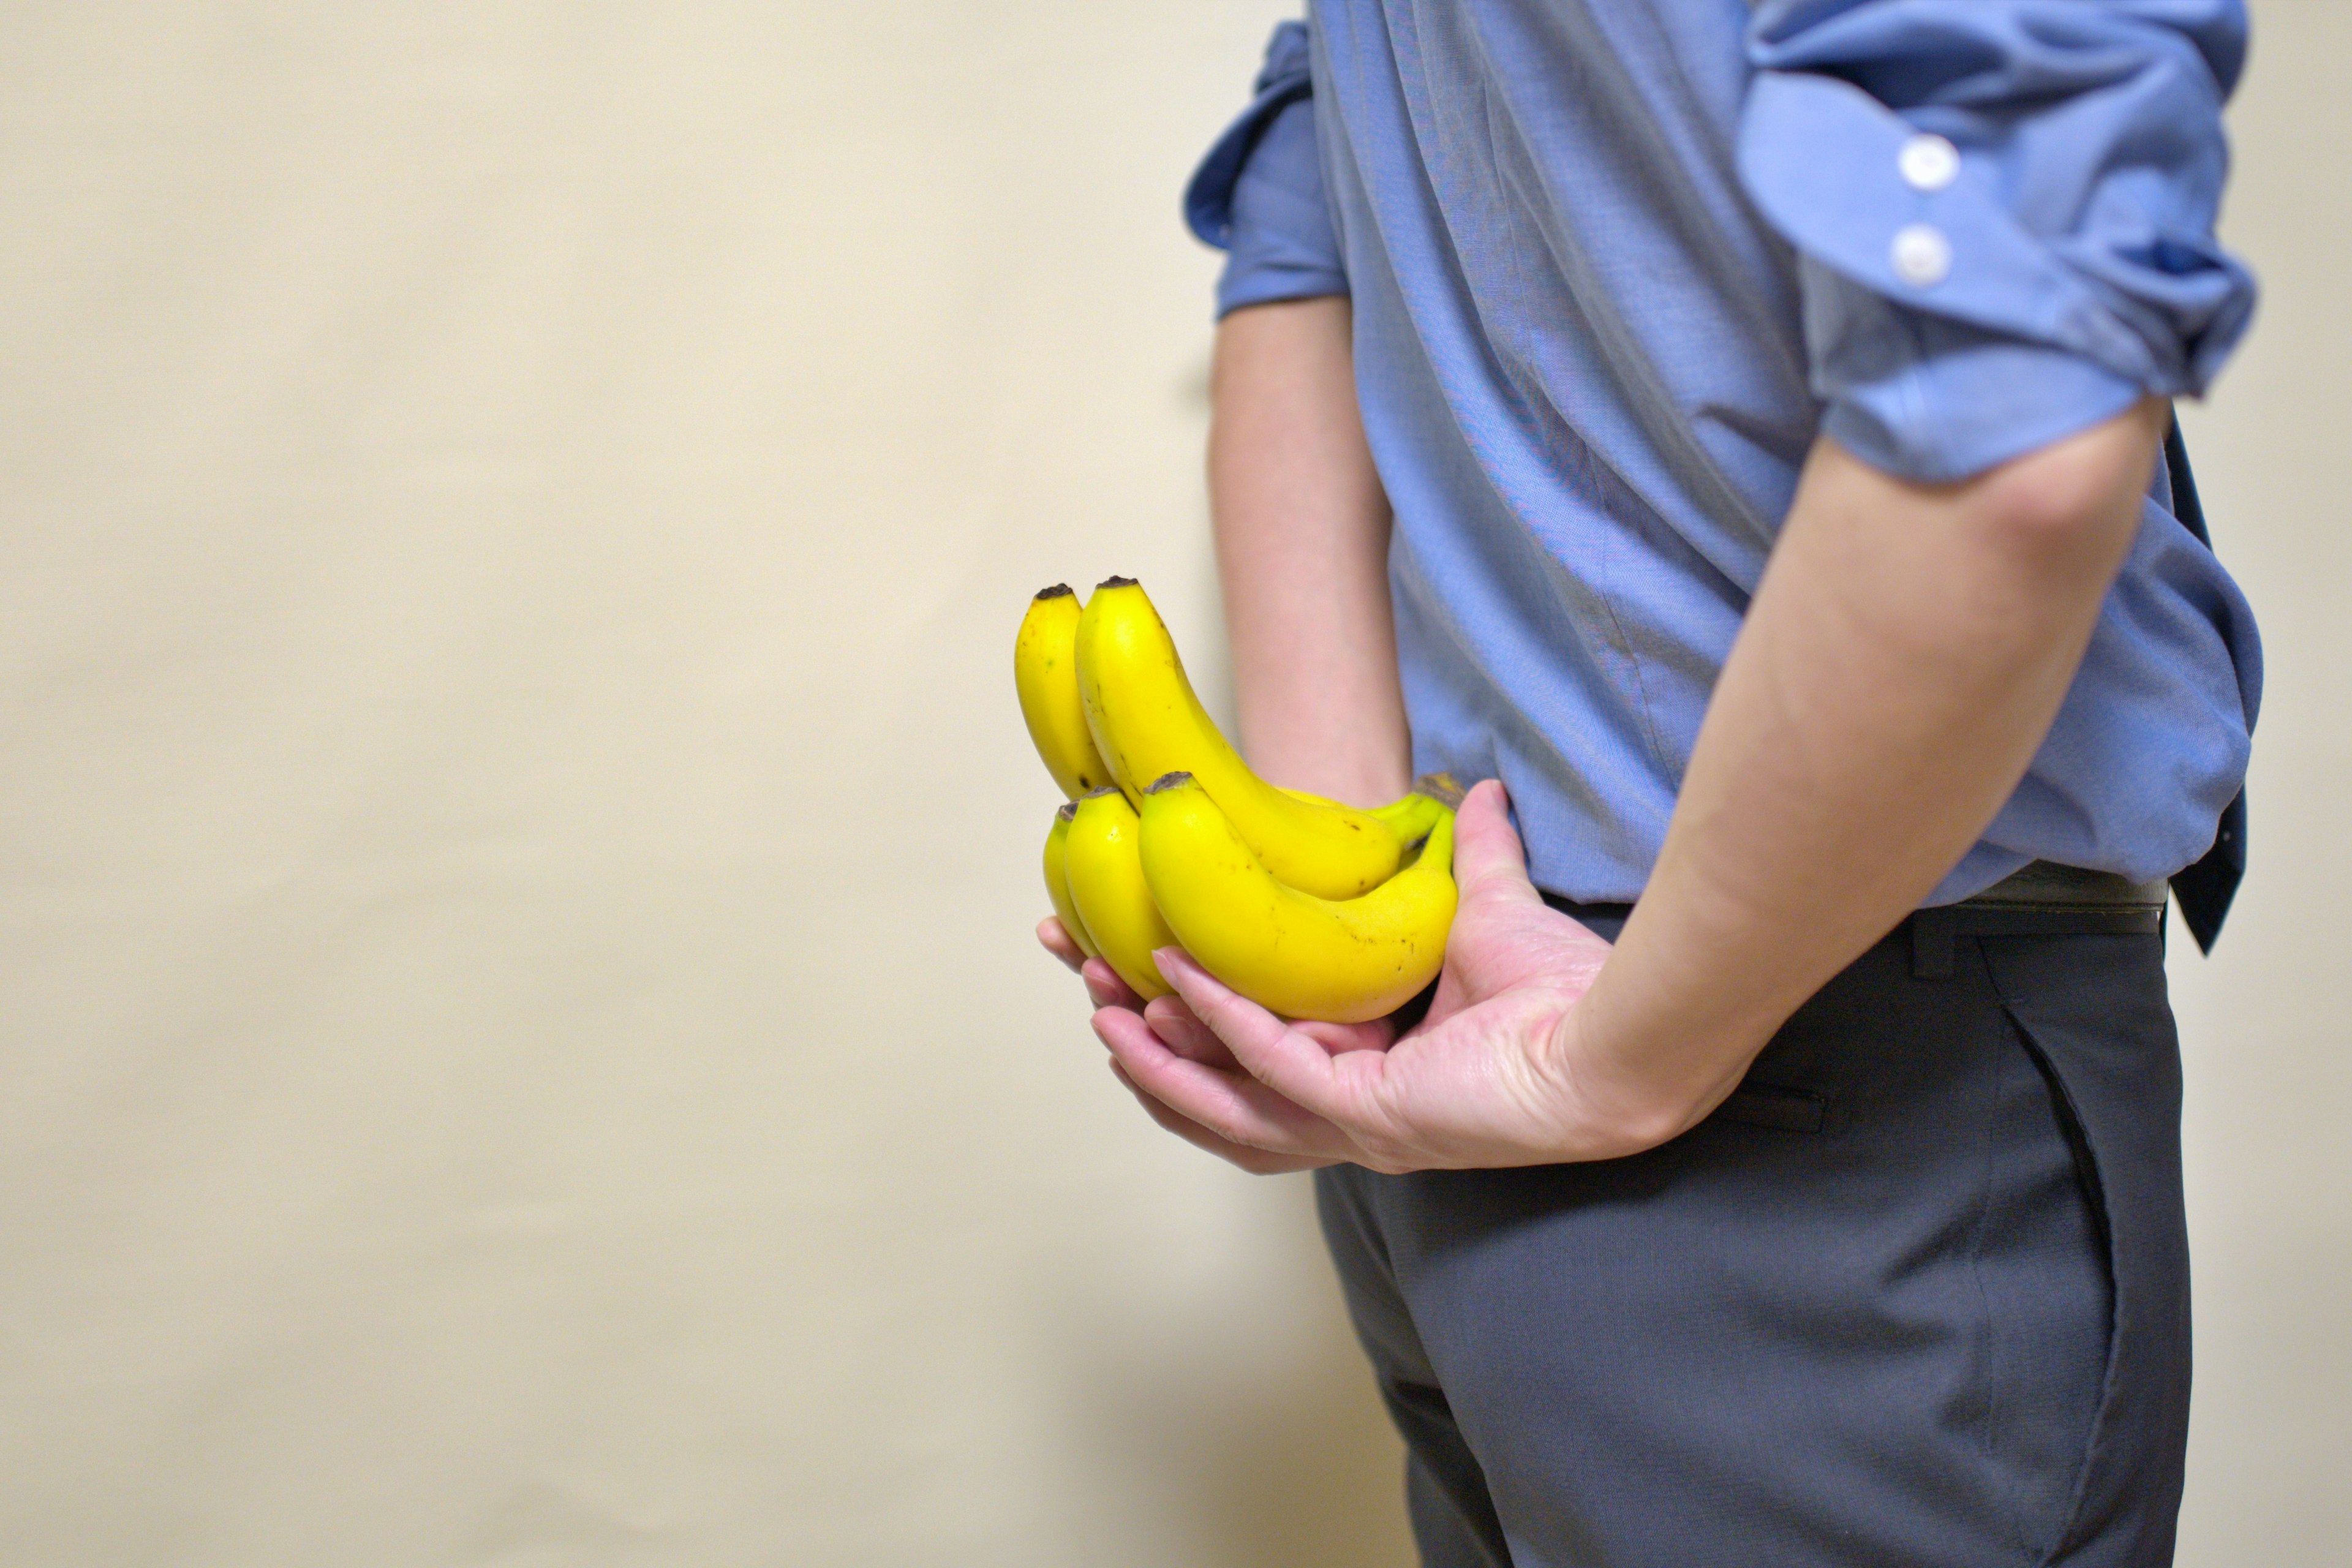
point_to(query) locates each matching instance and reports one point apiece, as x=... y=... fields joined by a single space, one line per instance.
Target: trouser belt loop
x=1935 y=940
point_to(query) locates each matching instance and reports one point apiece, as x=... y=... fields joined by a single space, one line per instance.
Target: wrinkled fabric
x=2083 y=272
x=1616 y=266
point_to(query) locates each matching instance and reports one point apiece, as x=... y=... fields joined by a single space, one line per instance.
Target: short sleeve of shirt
x=2003 y=211
x=1258 y=196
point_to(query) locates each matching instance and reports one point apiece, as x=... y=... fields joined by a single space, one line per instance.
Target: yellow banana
x=1057 y=881
x=1412 y=816
x=1045 y=672
x=1099 y=855
x=1146 y=722
x=1343 y=960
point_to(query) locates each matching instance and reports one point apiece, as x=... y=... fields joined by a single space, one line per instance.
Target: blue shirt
x=1615 y=264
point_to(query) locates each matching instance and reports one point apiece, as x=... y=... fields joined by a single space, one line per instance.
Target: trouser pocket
x=1755 y=1103
x=2092 y=1013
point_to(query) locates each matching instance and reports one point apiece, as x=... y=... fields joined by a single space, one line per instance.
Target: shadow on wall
x=1248 y=1433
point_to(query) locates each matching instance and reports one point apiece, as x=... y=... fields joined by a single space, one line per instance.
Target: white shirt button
x=1921 y=255
x=1928 y=162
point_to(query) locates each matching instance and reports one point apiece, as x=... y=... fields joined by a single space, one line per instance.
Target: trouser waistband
x=2044 y=899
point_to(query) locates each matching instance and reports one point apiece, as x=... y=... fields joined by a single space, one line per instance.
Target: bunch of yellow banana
x=1312 y=908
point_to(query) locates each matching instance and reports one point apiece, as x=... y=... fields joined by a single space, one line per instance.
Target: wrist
x=1639 y=1076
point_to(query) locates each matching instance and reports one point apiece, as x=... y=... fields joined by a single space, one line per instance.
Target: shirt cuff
x=1259 y=193
x=2005 y=231
x=1935 y=400
x=1282 y=246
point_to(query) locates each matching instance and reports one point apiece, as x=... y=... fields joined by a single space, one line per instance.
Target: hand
x=1499 y=1073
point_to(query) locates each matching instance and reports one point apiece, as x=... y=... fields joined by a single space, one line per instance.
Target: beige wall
x=2265 y=1031
x=520 y=1037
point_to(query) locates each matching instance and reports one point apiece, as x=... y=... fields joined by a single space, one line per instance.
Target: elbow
x=2072 y=508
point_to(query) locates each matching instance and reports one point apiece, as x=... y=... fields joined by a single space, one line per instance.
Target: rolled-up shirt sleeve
x=1258 y=195
x=2003 y=211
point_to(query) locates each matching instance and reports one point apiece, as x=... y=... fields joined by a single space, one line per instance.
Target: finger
x=1234 y=1106
x=1185 y=1034
x=1453 y=996
x=1182 y=1031
x=1377 y=1035
x=1489 y=861
x=1108 y=989
x=1057 y=941
x=1298 y=1070
x=1256 y=1162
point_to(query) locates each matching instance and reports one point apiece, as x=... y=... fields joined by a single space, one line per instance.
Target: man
x=1734 y=431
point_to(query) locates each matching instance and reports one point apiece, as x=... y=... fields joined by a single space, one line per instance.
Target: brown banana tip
x=1067 y=810
x=1176 y=780
x=1090 y=795
x=1116 y=582
x=1059 y=590
x=1442 y=787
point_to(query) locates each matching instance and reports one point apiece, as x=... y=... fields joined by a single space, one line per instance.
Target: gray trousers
x=1916 y=1295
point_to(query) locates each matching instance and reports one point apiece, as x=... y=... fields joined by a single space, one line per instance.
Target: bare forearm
x=1901 y=663
x=1302 y=533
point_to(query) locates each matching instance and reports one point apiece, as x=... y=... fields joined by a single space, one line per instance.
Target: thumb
x=1489 y=863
